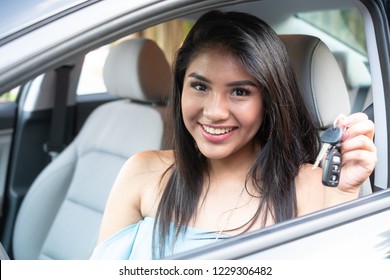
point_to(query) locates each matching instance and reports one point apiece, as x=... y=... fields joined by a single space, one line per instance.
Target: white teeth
x=217 y=131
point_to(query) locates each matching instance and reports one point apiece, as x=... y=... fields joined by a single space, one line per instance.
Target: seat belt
x=361 y=96
x=58 y=121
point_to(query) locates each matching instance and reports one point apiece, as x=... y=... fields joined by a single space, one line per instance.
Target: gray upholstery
x=320 y=78
x=145 y=64
x=61 y=214
x=355 y=72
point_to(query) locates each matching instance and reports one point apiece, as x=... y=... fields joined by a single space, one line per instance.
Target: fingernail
x=347 y=122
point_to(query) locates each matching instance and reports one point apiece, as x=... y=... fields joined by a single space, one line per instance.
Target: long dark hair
x=287 y=137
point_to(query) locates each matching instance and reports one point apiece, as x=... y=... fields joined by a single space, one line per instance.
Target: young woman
x=243 y=151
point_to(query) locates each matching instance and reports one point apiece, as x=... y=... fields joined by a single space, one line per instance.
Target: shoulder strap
x=56 y=141
x=360 y=98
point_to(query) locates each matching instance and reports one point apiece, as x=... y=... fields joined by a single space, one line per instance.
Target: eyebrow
x=242 y=83
x=199 y=77
x=232 y=84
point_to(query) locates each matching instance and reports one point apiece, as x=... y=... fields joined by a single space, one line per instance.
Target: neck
x=234 y=167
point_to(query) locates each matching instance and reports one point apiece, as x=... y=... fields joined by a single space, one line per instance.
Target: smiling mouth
x=217 y=131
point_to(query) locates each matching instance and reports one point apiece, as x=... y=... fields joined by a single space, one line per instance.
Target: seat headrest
x=319 y=77
x=137 y=69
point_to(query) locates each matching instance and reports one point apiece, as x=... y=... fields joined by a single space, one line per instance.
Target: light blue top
x=134 y=242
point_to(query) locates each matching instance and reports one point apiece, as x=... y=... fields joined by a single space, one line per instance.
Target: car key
x=332 y=167
x=331 y=137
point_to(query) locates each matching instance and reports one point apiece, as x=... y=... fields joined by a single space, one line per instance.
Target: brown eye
x=199 y=86
x=240 y=92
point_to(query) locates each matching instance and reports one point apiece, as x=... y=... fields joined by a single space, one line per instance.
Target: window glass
x=9 y=96
x=91 y=78
x=345 y=25
x=168 y=36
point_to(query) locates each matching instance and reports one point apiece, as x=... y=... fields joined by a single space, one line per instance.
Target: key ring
x=336 y=121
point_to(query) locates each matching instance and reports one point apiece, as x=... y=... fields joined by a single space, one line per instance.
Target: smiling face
x=222 y=105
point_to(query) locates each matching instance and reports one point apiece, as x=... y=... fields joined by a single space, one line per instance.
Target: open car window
x=347 y=30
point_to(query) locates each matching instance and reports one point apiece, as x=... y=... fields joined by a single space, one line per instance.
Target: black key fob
x=332 y=168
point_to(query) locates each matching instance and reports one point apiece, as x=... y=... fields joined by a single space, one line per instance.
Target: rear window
x=345 y=25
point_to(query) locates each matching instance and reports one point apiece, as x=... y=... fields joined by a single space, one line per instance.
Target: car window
x=345 y=25
x=10 y=96
x=91 y=78
x=167 y=35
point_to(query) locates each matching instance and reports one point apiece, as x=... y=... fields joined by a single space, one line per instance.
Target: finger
x=359 y=142
x=363 y=127
x=352 y=119
x=363 y=158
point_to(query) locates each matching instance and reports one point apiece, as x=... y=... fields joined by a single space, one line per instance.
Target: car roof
x=31 y=12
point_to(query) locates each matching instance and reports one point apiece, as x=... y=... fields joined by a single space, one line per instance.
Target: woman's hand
x=359 y=154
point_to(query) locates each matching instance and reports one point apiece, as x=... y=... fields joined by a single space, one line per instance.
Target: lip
x=217 y=138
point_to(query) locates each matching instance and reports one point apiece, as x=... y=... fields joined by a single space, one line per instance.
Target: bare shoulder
x=310 y=191
x=149 y=161
x=152 y=172
x=135 y=193
x=149 y=171
x=142 y=176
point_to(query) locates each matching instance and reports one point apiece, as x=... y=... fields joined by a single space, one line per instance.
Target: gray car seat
x=322 y=83
x=61 y=213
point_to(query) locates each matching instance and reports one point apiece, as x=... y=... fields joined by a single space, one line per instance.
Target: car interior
x=90 y=163
x=67 y=148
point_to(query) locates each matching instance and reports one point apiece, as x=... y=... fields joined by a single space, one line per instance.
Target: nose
x=216 y=107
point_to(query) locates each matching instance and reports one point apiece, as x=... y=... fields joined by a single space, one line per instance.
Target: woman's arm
x=134 y=193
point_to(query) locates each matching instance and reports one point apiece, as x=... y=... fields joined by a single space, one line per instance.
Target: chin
x=214 y=155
